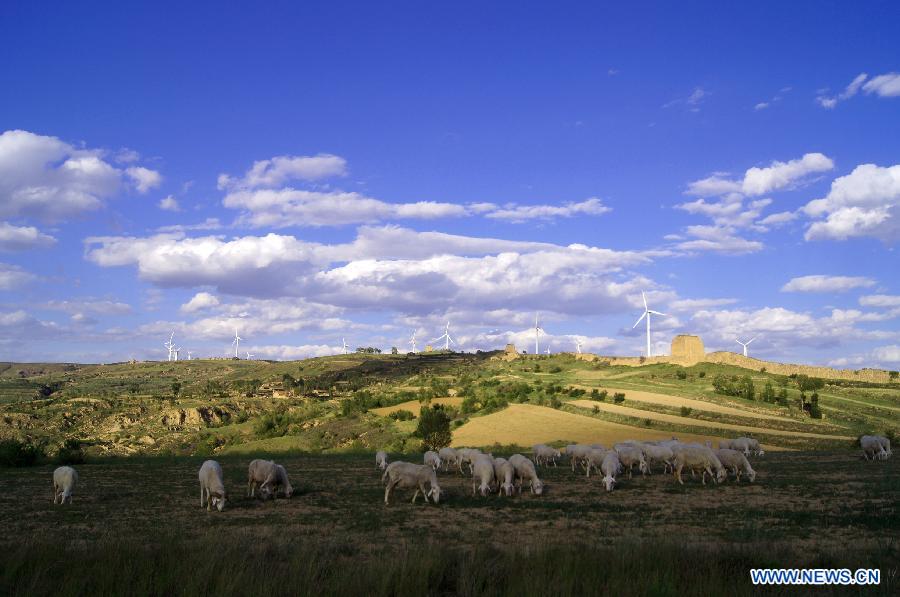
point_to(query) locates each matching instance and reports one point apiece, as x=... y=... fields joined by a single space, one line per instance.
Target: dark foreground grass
x=209 y=566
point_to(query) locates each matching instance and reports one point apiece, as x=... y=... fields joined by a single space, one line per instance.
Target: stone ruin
x=687 y=350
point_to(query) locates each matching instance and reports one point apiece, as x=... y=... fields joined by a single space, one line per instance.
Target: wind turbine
x=190 y=352
x=250 y=356
x=537 y=333
x=344 y=341
x=647 y=312
x=170 y=345
x=547 y=350
x=578 y=345
x=413 y=341
x=746 y=344
x=236 y=343
x=446 y=338
x=175 y=351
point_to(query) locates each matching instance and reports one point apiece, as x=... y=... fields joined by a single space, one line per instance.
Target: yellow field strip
x=414 y=406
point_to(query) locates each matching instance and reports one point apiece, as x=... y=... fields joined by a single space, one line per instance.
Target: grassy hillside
x=351 y=402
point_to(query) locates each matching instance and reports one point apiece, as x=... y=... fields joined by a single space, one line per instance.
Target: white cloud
x=521 y=213
x=865 y=202
x=758 y=181
x=887 y=354
x=884 y=85
x=207 y=224
x=169 y=203
x=284 y=352
x=818 y=283
x=851 y=90
x=281 y=208
x=777 y=219
x=13 y=276
x=761 y=106
x=199 y=302
x=144 y=179
x=21 y=238
x=691 y=102
x=718 y=239
x=880 y=300
x=99 y=307
x=280 y=169
x=696 y=304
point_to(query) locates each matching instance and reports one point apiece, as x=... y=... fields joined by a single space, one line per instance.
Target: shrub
x=596 y=409
x=768 y=394
x=402 y=415
x=618 y=397
x=70 y=453
x=434 y=428
x=702 y=374
x=681 y=374
x=648 y=422
x=555 y=402
x=685 y=411
x=16 y=453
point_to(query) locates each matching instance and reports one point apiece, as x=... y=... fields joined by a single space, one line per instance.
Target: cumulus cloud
x=818 y=283
x=865 y=202
x=51 y=180
x=144 y=179
x=887 y=354
x=199 y=302
x=521 y=213
x=759 y=181
x=96 y=306
x=22 y=238
x=880 y=300
x=286 y=352
x=13 y=276
x=169 y=203
x=696 y=304
x=778 y=219
x=280 y=169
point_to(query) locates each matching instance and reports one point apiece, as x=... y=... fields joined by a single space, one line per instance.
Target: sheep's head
x=751 y=474
x=721 y=475
x=218 y=501
x=537 y=486
x=643 y=466
x=435 y=493
x=288 y=490
x=484 y=489
x=761 y=452
x=508 y=489
x=609 y=482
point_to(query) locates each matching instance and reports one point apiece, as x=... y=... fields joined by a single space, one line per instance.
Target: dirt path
x=678 y=401
x=645 y=414
x=528 y=424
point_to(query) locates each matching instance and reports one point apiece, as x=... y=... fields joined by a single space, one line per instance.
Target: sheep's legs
x=678 y=474
x=387 y=492
x=201 y=497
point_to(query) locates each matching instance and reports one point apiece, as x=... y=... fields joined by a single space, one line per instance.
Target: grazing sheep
x=432 y=459
x=755 y=448
x=483 y=474
x=525 y=472
x=594 y=459
x=873 y=447
x=406 y=475
x=64 y=480
x=544 y=454
x=505 y=474
x=699 y=458
x=212 y=488
x=610 y=467
x=725 y=444
x=629 y=455
x=466 y=456
x=381 y=459
x=577 y=454
x=737 y=462
x=262 y=474
x=886 y=446
x=662 y=454
x=282 y=481
x=741 y=444
x=448 y=456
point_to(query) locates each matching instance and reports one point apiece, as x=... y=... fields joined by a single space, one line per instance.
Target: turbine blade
x=644 y=296
x=643 y=315
x=752 y=339
x=656 y=312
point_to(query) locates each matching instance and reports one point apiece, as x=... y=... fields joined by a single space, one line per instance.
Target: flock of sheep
x=506 y=476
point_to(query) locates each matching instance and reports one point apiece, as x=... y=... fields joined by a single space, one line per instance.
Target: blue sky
x=348 y=170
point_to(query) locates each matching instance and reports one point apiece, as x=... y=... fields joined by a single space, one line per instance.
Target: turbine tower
x=578 y=345
x=746 y=344
x=170 y=345
x=446 y=338
x=647 y=312
x=344 y=342
x=413 y=341
x=538 y=330
x=175 y=351
x=236 y=343
x=190 y=352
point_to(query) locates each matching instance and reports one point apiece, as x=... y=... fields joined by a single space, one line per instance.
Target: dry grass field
x=805 y=508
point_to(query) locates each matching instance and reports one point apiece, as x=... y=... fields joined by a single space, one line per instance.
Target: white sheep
x=755 y=448
x=281 y=480
x=593 y=460
x=886 y=446
x=725 y=444
x=466 y=456
x=432 y=459
x=741 y=444
x=577 y=454
x=483 y=474
x=544 y=454
x=873 y=448
x=662 y=454
x=737 y=462
x=212 y=487
x=629 y=455
x=525 y=471
x=261 y=474
x=405 y=475
x=64 y=480
x=448 y=456
x=381 y=459
x=699 y=458
x=610 y=467
x=505 y=474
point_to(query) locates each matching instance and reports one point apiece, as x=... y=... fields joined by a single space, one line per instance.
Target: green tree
x=768 y=392
x=746 y=390
x=806 y=383
x=434 y=427
x=176 y=388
